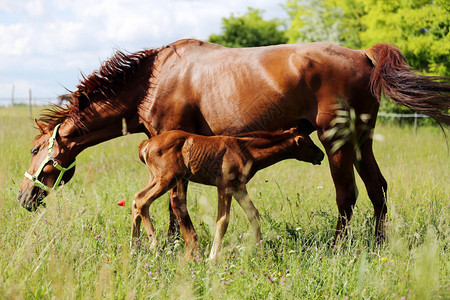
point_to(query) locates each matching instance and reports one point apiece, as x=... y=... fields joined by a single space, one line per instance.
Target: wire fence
x=42 y=101
x=35 y=101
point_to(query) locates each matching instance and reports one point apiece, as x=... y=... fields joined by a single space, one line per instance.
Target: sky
x=46 y=44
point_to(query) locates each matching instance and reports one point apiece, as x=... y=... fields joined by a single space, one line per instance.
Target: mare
x=208 y=89
x=227 y=162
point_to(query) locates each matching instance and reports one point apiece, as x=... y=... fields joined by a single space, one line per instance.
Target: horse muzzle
x=31 y=199
x=319 y=158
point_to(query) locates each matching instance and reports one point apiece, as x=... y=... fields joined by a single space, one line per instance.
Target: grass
x=78 y=246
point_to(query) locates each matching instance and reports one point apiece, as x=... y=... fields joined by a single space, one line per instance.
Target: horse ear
x=43 y=128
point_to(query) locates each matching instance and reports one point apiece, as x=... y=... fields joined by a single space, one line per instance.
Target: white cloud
x=61 y=37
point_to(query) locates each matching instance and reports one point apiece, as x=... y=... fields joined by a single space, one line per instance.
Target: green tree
x=249 y=30
x=420 y=28
x=314 y=21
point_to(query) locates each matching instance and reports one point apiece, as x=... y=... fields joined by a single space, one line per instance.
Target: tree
x=420 y=28
x=313 y=21
x=249 y=30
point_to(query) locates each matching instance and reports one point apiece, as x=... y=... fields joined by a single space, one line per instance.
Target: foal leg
x=179 y=207
x=223 y=218
x=375 y=184
x=135 y=222
x=341 y=166
x=250 y=210
x=145 y=197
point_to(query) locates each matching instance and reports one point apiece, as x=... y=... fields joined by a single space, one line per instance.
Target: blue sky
x=44 y=45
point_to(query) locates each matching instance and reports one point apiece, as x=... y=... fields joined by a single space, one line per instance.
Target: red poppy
x=121 y=202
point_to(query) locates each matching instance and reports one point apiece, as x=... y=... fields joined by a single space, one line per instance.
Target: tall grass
x=78 y=246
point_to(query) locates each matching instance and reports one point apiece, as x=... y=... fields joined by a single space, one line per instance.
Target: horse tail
x=392 y=77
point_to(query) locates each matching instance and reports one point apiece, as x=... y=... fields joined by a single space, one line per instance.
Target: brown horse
x=227 y=162
x=212 y=90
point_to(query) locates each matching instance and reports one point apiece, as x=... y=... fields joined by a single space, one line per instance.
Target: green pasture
x=78 y=246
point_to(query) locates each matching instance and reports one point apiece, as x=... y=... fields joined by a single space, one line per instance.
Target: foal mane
x=279 y=134
x=100 y=86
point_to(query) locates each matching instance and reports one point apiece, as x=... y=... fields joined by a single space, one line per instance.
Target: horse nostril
x=19 y=195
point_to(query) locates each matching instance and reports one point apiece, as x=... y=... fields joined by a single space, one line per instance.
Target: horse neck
x=101 y=123
x=266 y=152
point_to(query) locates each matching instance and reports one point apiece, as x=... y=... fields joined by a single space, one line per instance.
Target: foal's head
x=306 y=150
x=51 y=164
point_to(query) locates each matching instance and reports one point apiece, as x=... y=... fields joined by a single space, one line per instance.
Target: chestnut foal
x=227 y=162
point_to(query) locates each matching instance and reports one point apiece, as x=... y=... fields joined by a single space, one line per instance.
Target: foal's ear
x=299 y=140
x=43 y=128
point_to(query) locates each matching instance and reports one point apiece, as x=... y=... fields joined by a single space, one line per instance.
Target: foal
x=227 y=162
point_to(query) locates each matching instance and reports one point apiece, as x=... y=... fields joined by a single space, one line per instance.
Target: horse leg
x=250 y=210
x=178 y=205
x=135 y=222
x=223 y=218
x=174 y=226
x=375 y=184
x=144 y=198
x=341 y=166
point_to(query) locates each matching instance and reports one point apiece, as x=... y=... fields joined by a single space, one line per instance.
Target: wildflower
x=365 y=247
x=108 y=259
x=137 y=240
x=121 y=202
x=384 y=259
x=270 y=267
x=357 y=250
x=391 y=261
x=320 y=258
x=256 y=277
x=287 y=271
x=149 y=274
x=146 y=266
x=278 y=237
x=279 y=274
x=403 y=298
x=240 y=271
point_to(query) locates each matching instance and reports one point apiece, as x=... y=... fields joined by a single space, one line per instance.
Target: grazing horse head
x=306 y=150
x=51 y=165
x=96 y=112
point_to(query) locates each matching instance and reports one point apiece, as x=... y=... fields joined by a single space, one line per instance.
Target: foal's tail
x=393 y=77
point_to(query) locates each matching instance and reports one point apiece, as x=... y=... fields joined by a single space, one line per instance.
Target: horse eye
x=34 y=151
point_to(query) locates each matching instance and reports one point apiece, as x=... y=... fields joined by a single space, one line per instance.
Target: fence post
x=12 y=95
x=29 y=103
x=415 y=124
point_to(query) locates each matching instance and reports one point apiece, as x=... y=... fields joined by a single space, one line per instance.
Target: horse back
x=233 y=90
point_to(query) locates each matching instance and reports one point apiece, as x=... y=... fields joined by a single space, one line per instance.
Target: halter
x=49 y=157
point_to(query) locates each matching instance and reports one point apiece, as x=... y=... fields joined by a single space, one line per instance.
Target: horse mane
x=100 y=86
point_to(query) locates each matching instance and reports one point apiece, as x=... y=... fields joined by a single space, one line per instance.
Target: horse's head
x=52 y=163
x=306 y=150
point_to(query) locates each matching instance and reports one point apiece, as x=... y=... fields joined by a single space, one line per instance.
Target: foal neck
x=268 y=151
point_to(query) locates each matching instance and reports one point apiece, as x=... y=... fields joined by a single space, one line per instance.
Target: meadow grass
x=78 y=246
